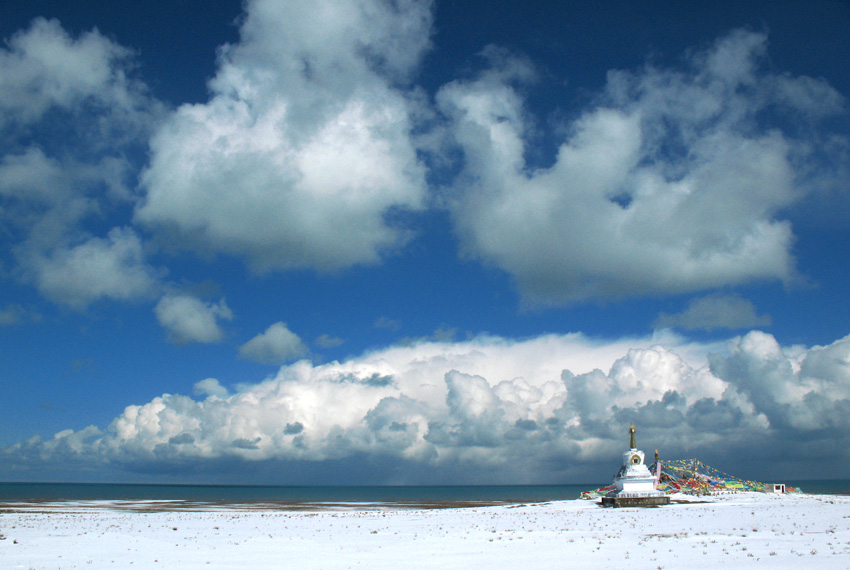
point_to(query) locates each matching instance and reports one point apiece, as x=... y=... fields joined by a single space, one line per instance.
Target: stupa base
x=648 y=501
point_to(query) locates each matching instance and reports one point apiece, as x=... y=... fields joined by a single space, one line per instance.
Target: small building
x=774 y=488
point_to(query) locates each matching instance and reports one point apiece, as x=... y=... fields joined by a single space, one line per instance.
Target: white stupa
x=635 y=484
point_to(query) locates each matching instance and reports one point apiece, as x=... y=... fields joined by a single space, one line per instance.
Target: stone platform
x=635 y=501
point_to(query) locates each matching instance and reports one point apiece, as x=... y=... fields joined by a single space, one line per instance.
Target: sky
x=413 y=242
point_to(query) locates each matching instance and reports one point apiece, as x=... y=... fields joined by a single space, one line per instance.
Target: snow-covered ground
x=740 y=531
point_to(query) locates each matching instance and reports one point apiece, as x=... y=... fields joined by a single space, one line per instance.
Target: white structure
x=635 y=483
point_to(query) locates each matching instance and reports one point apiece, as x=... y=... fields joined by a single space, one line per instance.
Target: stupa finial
x=632 y=442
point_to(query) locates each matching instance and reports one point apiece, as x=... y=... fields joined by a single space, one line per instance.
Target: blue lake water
x=352 y=494
x=319 y=494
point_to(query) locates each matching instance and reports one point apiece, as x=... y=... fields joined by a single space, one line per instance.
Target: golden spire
x=632 y=443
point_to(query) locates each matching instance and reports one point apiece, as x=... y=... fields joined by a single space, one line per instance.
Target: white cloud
x=112 y=268
x=30 y=176
x=45 y=68
x=46 y=201
x=210 y=387
x=809 y=390
x=670 y=183
x=80 y=91
x=189 y=319
x=527 y=410
x=304 y=147
x=276 y=345
x=715 y=312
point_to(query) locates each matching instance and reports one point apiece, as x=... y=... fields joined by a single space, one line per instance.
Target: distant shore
x=743 y=530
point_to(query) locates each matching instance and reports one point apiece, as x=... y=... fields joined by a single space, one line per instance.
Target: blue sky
x=414 y=242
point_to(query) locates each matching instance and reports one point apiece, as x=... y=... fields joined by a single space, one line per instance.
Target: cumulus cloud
x=112 y=268
x=304 y=149
x=70 y=113
x=808 y=391
x=189 y=319
x=715 y=312
x=44 y=68
x=535 y=410
x=47 y=203
x=276 y=345
x=673 y=181
x=210 y=387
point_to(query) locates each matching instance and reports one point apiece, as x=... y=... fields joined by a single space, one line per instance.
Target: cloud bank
x=552 y=408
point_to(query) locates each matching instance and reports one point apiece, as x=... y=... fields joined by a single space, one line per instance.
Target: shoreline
x=168 y=505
